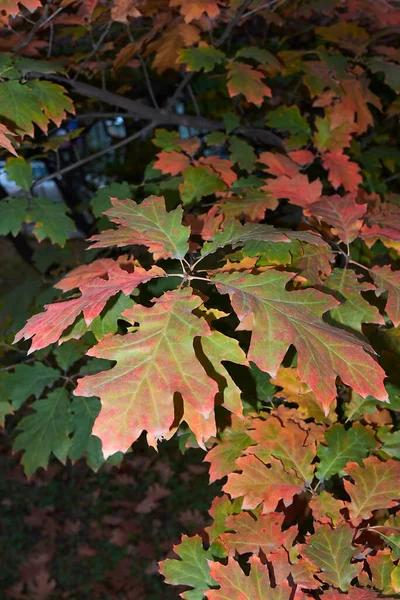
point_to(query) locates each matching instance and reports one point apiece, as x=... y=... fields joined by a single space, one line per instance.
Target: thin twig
x=194 y=100
x=88 y=159
x=51 y=38
x=94 y=50
x=148 y=82
x=34 y=29
x=258 y=8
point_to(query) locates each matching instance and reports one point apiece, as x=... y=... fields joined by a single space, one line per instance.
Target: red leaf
x=85 y=273
x=222 y=167
x=342 y=213
x=297 y=190
x=172 y=163
x=302 y=157
x=47 y=327
x=278 y=164
x=342 y=171
x=258 y=483
x=280 y=318
x=152 y=365
x=235 y=585
x=251 y=535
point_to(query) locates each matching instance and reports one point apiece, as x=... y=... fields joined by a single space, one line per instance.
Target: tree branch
x=87 y=159
x=160 y=117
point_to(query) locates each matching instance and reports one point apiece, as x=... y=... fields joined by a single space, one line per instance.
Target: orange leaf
x=298 y=190
x=342 y=171
x=243 y=79
x=260 y=484
x=172 y=163
x=193 y=9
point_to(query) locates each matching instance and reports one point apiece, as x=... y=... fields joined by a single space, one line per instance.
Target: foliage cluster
x=244 y=293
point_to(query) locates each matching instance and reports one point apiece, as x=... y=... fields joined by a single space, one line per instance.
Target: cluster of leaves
x=289 y=279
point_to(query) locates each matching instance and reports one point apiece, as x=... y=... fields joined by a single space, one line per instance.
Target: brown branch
x=160 y=117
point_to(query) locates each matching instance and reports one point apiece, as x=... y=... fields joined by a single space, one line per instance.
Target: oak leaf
x=342 y=171
x=260 y=484
x=204 y=57
x=5 y=142
x=123 y=9
x=342 y=213
x=194 y=10
x=168 y=46
x=85 y=273
x=192 y=569
x=251 y=206
x=287 y=443
x=243 y=79
x=222 y=167
x=171 y=163
x=331 y=551
x=388 y=280
x=46 y=328
x=354 y=310
x=235 y=585
x=298 y=189
x=152 y=365
x=343 y=446
x=222 y=457
x=376 y=486
x=326 y=509
x=146 y=224
x=278 y=164
x=251 y=535
x=281 y=318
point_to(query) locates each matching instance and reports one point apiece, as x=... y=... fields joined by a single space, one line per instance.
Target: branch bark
x=163 y=116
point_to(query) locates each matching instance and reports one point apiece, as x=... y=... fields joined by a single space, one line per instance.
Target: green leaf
x=167 y=140
x=391 y=442
x=26 y=381
x=146 y=224
x=204 y=57
x=216 y=138
x=192 y=570
x=12 y=214
x=391 y=71
x=53 y=99
x=288 y=118
x=331 y=551
x=101 y=200
x=343 y=446
x=199 y=182
x=84 y=412
x=51 y=220
x=231 y=121
x=5 y=409
x=392 y=540
x=70 y=352
x=234 y=234
x=45 y=431
x=7 y=69
x=19 y=104
x=258 y=54
x=107 y=321
x=354 y=310
x=29 y=65
x=242 y=153
x=20 y=171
